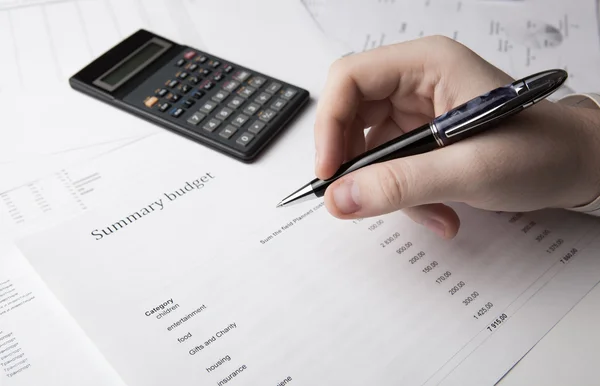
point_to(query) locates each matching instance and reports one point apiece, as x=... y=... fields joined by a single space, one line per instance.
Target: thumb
x=402 y=183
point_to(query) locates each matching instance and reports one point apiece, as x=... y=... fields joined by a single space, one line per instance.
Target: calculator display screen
x=132 y=64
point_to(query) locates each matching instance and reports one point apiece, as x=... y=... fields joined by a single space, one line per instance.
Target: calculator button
x=231 y=85
x=288 y=93
x=245 y=139
x=220 y=95
x=235 y=102
x=204 y=71
x=224 y=113
x=215 y=64
x=201 y=59
x=246 y=91
x=180 y=62
x=257 y=81
x=279 y=104
x=164 y=106
x=256 y=127
x=196 y=118
x=188 y=103
x=262 y=98
x=173 y=97
x=172 y=83
x=218 y=77
x=273 y=87
x=241 y=75
x=208 y=85
x=266 y=115
x=162 y=92
x=227 y=68
x=190 y=54
x=182 y=75
x=194 y=80
x=176 y=112
x=185 y=88
x=191 y=67
x=208 y=106
x=197 y=94
x=251 y=109
x=228 y=131
x=149 y=102
x=211 y=125
x=239 y=120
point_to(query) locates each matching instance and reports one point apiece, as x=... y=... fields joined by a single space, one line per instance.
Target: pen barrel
x=474 y=115
x=417 y=141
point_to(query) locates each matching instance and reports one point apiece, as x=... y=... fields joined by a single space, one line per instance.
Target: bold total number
x=496 y=323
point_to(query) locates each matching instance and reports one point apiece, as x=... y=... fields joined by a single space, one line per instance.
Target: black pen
x=474 y=116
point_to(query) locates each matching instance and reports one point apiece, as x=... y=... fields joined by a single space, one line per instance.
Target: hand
x=546 y=156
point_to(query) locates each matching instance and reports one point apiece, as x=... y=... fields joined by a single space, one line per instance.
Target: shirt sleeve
x=590 y=101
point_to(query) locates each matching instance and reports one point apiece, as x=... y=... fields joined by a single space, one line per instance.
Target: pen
x=474 y=116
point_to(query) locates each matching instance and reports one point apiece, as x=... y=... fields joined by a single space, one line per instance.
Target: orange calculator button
x=151 y=101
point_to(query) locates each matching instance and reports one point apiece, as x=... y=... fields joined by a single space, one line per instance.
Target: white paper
x=519 y=37
x=45 y=42
x=296 y=294
x=44 y=345
x=40 y=343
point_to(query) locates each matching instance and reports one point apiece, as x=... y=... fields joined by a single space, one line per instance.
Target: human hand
x=546 y=156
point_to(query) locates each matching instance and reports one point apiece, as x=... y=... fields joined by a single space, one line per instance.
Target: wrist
x=585 y=110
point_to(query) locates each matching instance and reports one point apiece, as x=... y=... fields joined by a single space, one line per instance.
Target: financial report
x=172 y=276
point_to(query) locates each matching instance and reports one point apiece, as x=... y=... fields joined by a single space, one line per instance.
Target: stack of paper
x=163 y=262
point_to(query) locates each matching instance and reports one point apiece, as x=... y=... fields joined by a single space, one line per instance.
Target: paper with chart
x=520 y=37
x=193 y=270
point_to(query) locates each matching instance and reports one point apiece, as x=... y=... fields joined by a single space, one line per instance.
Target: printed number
x=403 y=248
x=542 y=235
x=555 y=246
x=430 y=267
x=416 y=257
x=483 y=310
x=456 y=288
x=565 y=259
x=389 y=240
x=497 y=322
x=445 y=276
x=470 y=298
x=376 y=225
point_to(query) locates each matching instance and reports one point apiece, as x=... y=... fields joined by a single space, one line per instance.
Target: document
x=519 y=37
x=191 y=275
x=40 y=343
x=64 y=36
x=43 y=43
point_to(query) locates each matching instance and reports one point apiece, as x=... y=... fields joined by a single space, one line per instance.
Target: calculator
x=217 y=103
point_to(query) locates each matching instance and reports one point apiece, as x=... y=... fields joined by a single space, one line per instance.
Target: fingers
x=438 y=218
x=403 y=183
x=372 y=76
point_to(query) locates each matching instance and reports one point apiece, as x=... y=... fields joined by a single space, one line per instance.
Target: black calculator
x=215 y=102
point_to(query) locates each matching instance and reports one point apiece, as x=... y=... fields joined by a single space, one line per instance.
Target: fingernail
x=346 y=197
x=435 y=226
